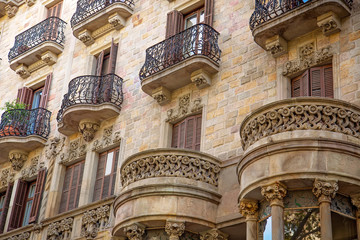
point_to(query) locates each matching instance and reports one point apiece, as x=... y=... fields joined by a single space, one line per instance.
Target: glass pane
x=36 y=99
x=109 y=163
x=302 y=224
x=190 y=21
x=265 y=229
x=202 y=16
x=2 y=200
x=27 y=213
x=32 y=191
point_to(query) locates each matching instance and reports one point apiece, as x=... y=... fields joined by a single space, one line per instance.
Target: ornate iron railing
x=266 y=10
x=22 y=122
x=87 y=8
x=93 y=90
x=51 y=29
x=200 y=39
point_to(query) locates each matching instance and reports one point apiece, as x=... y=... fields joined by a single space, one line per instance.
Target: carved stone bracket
x=86 y=38
x=274 y=193
x=108 y=138
x=54 y=147
x=174 y=229
x=30 y=2
x=49 y=58
x=23 y=71
x=88 y=128
x=201 y=79
x=329 y=23
x=249 y=208
x=184 y=109
x=6 y=177
x=21 y=236
x=17 y=159
x=135 y=231
x=76 y=150
x=276 y=45
x=11 y=10
x=116 y=21
x=325 y=190
x=33 y=169
x=60 y=230
x=213 y=234
x=94 y=221
x=162 y=95
x=308 y=57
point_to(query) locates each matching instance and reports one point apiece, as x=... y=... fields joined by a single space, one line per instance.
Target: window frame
x=25 y=206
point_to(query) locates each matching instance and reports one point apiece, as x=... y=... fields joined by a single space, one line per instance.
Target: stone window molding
x=108 y=140
x=77 y=150
x=95 y=220
x=185 y=108
x=60 y=230
x=31 y=171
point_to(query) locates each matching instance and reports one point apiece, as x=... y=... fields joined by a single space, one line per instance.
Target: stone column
x=174 y=229
x=249 y=208
x=355 y=199
x=213 y=234
x=135 y=231
x=274 y=194
x=325 y=191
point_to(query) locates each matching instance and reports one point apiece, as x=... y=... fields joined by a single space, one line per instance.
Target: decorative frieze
x=329 y=23
x=325 y=190
x=76 y=151
x=109 y=138
x=21 y=236
x=276 y=45
x=135 y=231
x=54 y=147
x=17 y=159
x=33 y=169
x=162 y=95
x=94 y=221
x=6 y=177
x=201 y=79
x=174 y=229
x=60 y=230
x=274 y=193
x=88 y=128
x=249 y=208
x=184 y=109
x=213 y=234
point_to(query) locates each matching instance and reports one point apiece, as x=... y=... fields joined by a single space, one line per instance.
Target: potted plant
x=12 y=120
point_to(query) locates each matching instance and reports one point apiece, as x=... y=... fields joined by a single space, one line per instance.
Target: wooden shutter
x=328 y=81
x=18 y=205
x=25 y=95
x=198 y=132
x=304 y=84
x=316 y=82
x=113 y=55
x=46 y=90
x=190 y=132
x=187 y=133
x=209 y=12
x=65 y=191
x=295 y=87
x=175 y=136
x=40 y=180
x=99 y=63
x=55 y=10
x=113 y=176
x=5 y=207
x=99 y=177
x=174 y=23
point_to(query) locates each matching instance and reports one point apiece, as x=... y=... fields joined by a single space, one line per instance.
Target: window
x=315 y=82
x=187 y=133
x=106 y=174
x=2 y=201
x=72 y=186
x=28 y=202
x=194 y=18
x=106 y=62
x=4 y=206
x=55 y=10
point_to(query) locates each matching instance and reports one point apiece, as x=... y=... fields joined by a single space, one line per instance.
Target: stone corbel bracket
x=88 y=128
x=17 y=159
x=12 y=7
x=276 y=45
x=201 y=79
x=162 y=95
x=329 y=23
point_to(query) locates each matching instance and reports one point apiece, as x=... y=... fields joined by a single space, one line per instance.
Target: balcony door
x=193 y=43
x=54 y=11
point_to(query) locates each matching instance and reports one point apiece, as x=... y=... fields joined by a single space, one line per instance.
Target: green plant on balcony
x=13 y=119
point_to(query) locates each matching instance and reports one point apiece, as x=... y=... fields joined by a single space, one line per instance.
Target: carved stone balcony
x=192 y=55
x=274 y=22
x=93 y=19
x=37 y=47
x=298 y=140
x=175 y=182
x=23 y=130
x=90 y=100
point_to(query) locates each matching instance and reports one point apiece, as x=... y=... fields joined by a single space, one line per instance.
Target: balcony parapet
x=93 y=19
x=95 y=98
x=192 y=55
x=46 y=39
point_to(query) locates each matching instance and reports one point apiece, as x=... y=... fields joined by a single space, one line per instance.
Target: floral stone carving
x=54 y=147
x=109 y=138
x=248 y=208
x=274 y=193
x=60 y=230
x=21 y=236
x=185 y=108
x=76 y=151
x=17 y=159
x=94 y=221
x=6 y=177
x=33 y=169
x=135 y=231
x=88 y=128
x=213 y=234
x=325 y=190
x=174 y=229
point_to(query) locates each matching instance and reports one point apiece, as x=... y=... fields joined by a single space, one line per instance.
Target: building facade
x=180 y=119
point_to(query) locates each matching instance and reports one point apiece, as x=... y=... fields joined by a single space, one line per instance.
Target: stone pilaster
x=213 y=234
x=355 y=199
x=135 y=231
x=17 y=159
x=249 y=209
x=329 y=23
x=174 y=229
x=88 y=128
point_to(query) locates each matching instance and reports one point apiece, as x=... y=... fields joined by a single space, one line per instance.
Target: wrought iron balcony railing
x=93 y=90
x=200 y=39
x=51 y=29
x=23 y=123
x=266 y=10
x=86 y=8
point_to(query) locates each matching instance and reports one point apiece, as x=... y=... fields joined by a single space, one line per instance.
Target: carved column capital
x=17 y=159
x=174 y=229
x=88 y=129
x=135 y=231
x=249 y=208
x=274 y=193
x=213 y=234
x=325 y=190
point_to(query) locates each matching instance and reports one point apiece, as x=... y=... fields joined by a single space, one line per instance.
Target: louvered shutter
x=55 y=10
x=5 y=207
x=316 y=82
x=113 y=55
x=174 y=23
x=209 y=12
x=295 y=87
x=66 y=188
x=113 y=177
x=175 y=136
x=78 y=190
x=181 y=141
x=25 y=95
x=73 y=187
x=40 y=181
x=17 y=208
x=189 y=132
x=304 y=84
x=99 y=63
x=328 y=81
x=198 y=132
x=99 y=177
x=46 y=90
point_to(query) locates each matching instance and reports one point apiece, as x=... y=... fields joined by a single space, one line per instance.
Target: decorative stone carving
x=116 y=21
x=60 y=230
x=76 y=150
x=6 y=177
x=21 y=236
x=170 y=165
x=355 y=200
x=276 y=45
x=184 y=109
x=325 y=190
x=274 y=193
x=49 y=58
x=161 y=95
x=37 y=228
x=109 y=138
x=325 y=115
x=201 y=79
x=17 y=159
x=248 y=208
x=94 y=221
x=33 y=169
x=135 y=231
x=54 y=147
x=23 y=71
x=30 y=2
x=88 y=128
x=174 y=229
x=213 y=234
x=11 y=10
x=86 y=38
x=329 y=23
x=306 y=61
